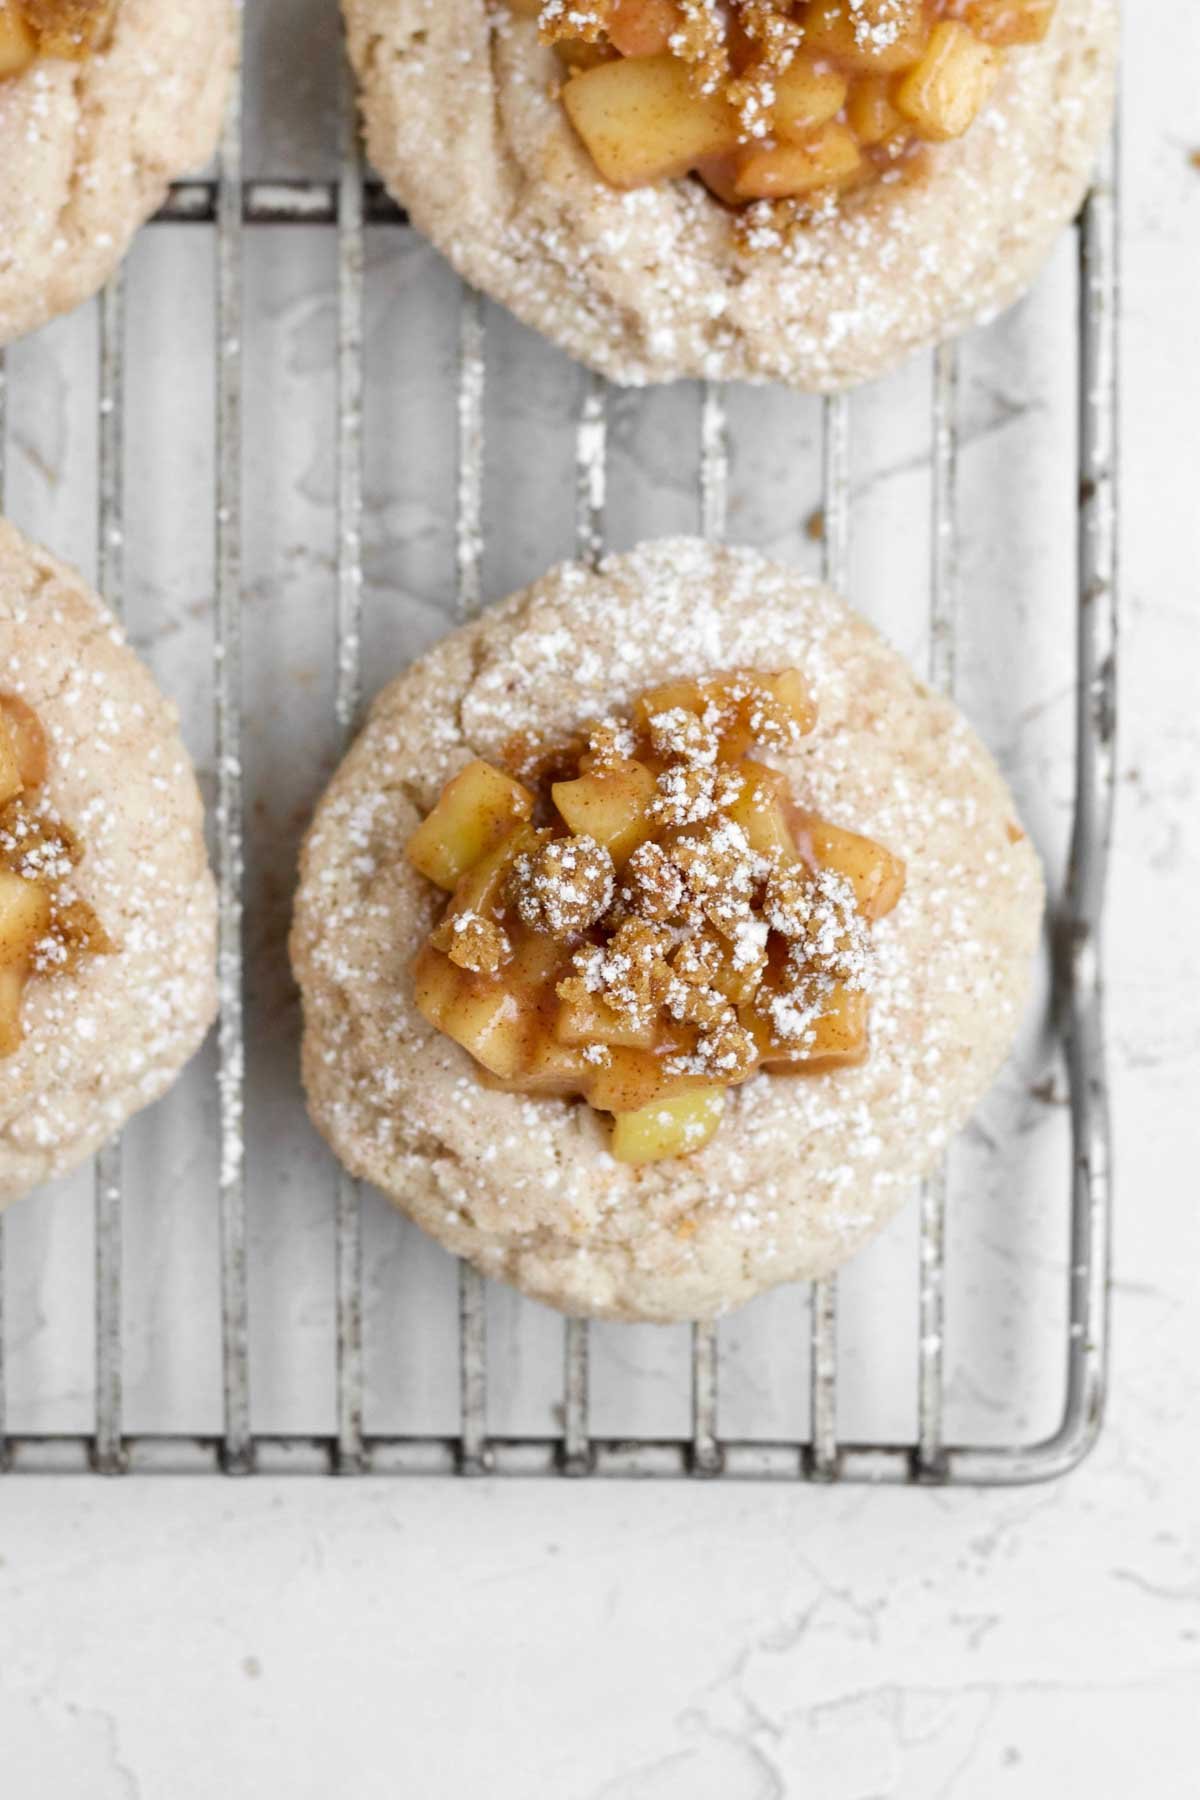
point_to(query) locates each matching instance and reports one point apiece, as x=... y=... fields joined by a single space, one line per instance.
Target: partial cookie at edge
x=104 y=1042
x=88 y=149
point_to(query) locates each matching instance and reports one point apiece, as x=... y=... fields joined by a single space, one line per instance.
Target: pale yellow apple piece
x=642 y=27
x=759 y=811
x=641 y=121
x=482 y=888
x=632 y=1079
x=18 y=46
x=68 y=28
x=593 y=1021
x=837 y=1038
x=666 y=1128
x=25 y=916
x=553 y=1069
x=477 y=810
x=840 y=1034
x=943 y=95
x=829 y=157
x=682 y=696
x=580 y=53
x=611 y=805
x=478 y=1012
x=869 y=110
x=868 y=34
x=808 y=93
x=791 y=691
x=435 y=984
x=735 y=716
x=1009 y=22
x=536 y=961
x=876 y=876
x=12 y=992
x=719 y=175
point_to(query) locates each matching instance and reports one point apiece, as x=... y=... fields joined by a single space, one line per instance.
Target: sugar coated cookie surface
x=110 y=1036
x=88 y=147
x=464 y=122
x=804 y=1169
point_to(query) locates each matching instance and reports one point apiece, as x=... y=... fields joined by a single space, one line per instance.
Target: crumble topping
x=473 y=942
x=564 y=887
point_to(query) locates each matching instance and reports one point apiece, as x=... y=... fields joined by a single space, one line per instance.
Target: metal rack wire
x=230 y=205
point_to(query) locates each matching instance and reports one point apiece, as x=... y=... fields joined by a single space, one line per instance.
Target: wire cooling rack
x=230 y=206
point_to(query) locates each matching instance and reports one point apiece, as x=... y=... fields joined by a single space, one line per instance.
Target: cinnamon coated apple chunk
x=661 y=922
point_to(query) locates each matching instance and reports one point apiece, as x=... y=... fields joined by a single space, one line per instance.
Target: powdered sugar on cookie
x=664 y=282
x=802 y=1171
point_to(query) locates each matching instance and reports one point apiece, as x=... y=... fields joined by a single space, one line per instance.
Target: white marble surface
x=190 y=1639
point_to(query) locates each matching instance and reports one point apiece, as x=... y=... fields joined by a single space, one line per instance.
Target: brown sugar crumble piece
x=609 y=743
x=816 y=912
x=782 y=108
x=629 y=973
x=563 y=887
x=473 y=942
x=701 y=928
x=653 y=886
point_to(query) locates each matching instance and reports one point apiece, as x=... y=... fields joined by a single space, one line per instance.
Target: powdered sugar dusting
x=802 y=1169
x=108 y=1036
x=652 y=284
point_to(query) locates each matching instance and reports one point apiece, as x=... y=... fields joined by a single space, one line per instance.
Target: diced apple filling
x=43 y=929
x=611 y=805
x=643 y=122
x=942 y=94
x=668 y=1128
x=477 y=810
x=809 y=93
x=658 y=924
x=71 y=29
x=776 y=100
x=760 y=810
x=18 y=46
x=876 y=876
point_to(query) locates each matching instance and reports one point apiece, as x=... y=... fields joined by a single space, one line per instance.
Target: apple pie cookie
x=102 y=104
x=657 y=932
x=765 y=191
x=107 y=909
